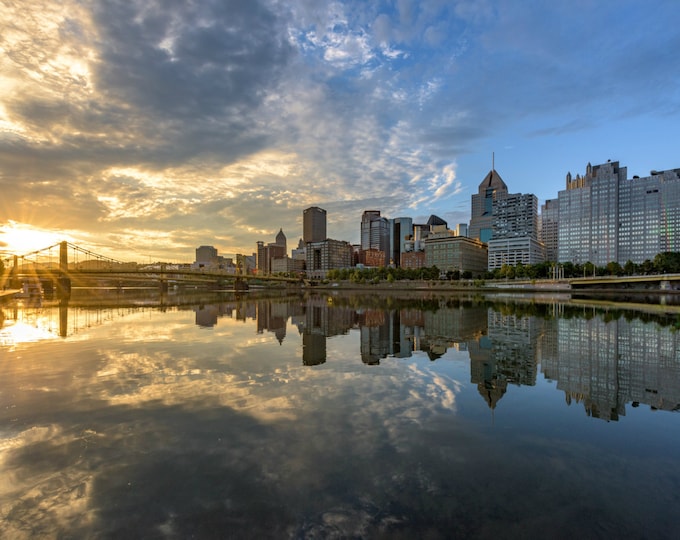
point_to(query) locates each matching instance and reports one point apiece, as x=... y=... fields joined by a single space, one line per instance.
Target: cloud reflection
x=154 y=426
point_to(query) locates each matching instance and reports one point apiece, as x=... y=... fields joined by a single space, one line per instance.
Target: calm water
x=338 y=417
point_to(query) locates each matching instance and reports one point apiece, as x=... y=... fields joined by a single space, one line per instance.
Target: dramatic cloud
x=167 y=125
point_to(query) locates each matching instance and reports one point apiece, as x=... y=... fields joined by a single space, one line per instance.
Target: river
x=337 y=416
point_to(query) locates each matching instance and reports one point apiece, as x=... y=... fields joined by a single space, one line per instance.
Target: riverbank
x=612 y=287
x=451 y=286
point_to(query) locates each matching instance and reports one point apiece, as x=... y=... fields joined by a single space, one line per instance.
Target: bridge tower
x=14 y=282
x=163 y=280
x=63 y=281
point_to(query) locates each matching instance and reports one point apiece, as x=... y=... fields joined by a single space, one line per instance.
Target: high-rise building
x=604 y=217
x=481 y=222
x=328 y=255
x=400 y=230
x=513 y=224
x=273 y=250
x=313 y=224
x=449 y=252
x=206 y=254
x=375 y=234
x=548 y=228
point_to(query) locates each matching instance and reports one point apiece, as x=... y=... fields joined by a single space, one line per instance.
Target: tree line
x=664 y=263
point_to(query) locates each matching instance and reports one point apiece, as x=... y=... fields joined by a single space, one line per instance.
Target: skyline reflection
x=341 y=416
x=600 y=358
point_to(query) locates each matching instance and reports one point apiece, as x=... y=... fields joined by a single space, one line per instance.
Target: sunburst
x=17 y=238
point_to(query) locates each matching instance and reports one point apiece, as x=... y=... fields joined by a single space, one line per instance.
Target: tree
x=667 y=262
x=455 y=274
x=569 y=269
x=629 y=268
x=647 y=267
x=614 y=268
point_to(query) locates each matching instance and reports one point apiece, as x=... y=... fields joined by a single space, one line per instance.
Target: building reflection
x=601 y=359
x=597 y=361
x=606 y=364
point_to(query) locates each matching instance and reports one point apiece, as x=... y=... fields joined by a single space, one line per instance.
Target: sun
x=19 y=239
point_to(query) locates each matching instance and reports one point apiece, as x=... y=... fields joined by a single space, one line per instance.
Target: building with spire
x=267 y=253
x=481 y=217
x=507 y=222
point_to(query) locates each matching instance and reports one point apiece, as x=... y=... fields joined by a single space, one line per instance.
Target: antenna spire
x=493 y=161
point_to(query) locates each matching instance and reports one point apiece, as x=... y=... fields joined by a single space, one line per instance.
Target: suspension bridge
x=65 y=265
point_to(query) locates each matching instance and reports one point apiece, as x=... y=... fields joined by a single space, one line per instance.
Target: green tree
x=569 y=270
x=455 y=274
x=647 y=267
x=629 y=268
x=614 y=268
x=667 y=262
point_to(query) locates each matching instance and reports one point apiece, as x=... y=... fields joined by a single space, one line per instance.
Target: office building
x=481 y=222
x=207 y=258
x=449 y=252
x=400 y=230
x=313 y=224
x=265 y=253
x=375 y=234
x=514 y=228
x=548 y=228
x=328 y=255
x=604 y=217
x=206 y=255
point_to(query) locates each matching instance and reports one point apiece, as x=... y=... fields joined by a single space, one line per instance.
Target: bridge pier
x=240 y=284
x=63 y=287
x=163 y=280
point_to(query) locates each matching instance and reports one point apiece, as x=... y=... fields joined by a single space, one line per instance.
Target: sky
x=142 y=129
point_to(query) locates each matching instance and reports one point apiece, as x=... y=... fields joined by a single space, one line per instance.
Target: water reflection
x=600 y=358
x=346 y=417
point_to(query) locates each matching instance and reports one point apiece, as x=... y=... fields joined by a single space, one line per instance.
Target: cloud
x=186 y=120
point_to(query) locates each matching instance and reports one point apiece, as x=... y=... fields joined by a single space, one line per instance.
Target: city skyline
x=150 y=131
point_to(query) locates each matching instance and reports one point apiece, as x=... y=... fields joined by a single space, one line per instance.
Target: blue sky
x=143 y=129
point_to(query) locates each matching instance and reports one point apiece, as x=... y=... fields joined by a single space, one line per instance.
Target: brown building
x=413 y=259
x=373 y=257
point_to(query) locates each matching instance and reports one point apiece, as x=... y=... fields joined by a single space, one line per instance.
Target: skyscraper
x=548 y=228
x=273 y=250
x=313 y=224
x=375 y=234
x=604 y=217
x=481 y=222
x=400 y=229
x=514 y=236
